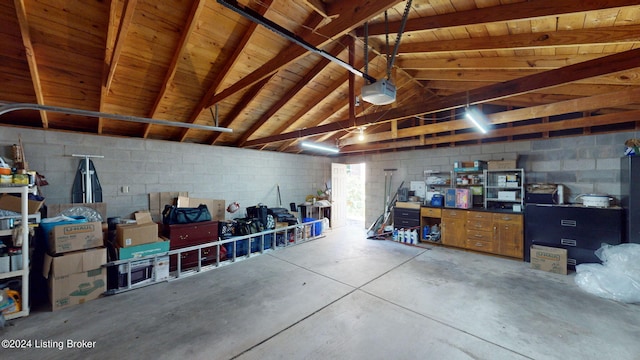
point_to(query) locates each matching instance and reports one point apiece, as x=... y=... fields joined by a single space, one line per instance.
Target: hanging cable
x=397 y=44
x=386 y=37
x=366 y=48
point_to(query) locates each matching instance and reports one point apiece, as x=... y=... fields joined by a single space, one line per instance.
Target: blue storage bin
x=242 y=248
x=316 y=229
x=255 y=243
x=47 y=226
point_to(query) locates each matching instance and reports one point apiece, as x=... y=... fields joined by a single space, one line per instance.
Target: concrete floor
x=346 y=297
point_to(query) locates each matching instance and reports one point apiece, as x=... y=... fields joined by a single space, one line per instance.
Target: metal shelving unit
x=298 y=232
x=23 y=274
x=504 y=187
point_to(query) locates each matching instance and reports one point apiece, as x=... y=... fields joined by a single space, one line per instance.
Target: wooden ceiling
x=538 y=69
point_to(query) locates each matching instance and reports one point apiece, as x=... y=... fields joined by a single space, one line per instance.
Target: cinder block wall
x=586 y=164
x=246 y=176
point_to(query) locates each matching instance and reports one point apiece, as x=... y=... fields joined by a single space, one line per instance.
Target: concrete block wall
x=133 y=168
x=585 y=164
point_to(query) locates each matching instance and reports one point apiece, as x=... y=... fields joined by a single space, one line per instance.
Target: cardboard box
x=14 y=203
x=54 y=210
x=502 y=164
x=463 y=198
x=160 y=246
x=549 y=259
x=216 y=207
x=158 y=200
x=73 y=237
x=507 y=195
x=76 y=277
x=144 y=231
x=450 y=198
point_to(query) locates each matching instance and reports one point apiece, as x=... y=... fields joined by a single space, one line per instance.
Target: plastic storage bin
x=316 y=228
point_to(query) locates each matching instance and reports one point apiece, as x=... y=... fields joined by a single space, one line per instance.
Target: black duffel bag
x=181 y=215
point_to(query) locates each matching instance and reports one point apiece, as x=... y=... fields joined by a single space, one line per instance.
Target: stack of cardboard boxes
x=135 y=240
x=73 y=264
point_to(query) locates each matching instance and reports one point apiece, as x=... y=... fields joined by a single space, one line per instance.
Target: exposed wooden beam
x=353 y=13
x=511 y=116
x=21 y=13
x=524 y=62
x=112 y=31
x=605 y=65
x=505 y=132
x=125 y=22
x=504 y=12
x=321 y=8
x=600 y=36
x=187 y=31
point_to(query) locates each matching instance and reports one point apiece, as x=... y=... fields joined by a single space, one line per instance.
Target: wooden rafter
x=508 y=12
x=21 y=13
x=600 y=36
x=123 y=28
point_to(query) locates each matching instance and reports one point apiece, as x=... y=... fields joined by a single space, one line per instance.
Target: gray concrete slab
x=213 y=315
x=362 y=326
x=538 y=314
x=346 y=255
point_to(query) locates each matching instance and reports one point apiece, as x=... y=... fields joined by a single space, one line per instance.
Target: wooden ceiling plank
x=21 y=13
x=596 y=36
x=353 y=13
x=601 y=66
x=190 y=25
x=501 y=13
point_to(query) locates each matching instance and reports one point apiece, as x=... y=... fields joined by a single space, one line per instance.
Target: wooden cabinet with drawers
x=490 y=232
x=479 y=232
x=186 y=235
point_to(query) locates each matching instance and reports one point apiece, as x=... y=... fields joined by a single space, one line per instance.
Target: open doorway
x=356 y=181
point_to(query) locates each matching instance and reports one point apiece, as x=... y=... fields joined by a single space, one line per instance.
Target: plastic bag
x=617 y=278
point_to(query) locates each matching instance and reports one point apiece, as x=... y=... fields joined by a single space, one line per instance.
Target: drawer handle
x=568 y=242
x=478 y=236
x=571 y=223
x=506 y=218
x=479 y=244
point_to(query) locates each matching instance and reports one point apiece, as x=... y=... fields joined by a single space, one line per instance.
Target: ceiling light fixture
x=476 y=117
x=361 y=134
x=320 y=147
